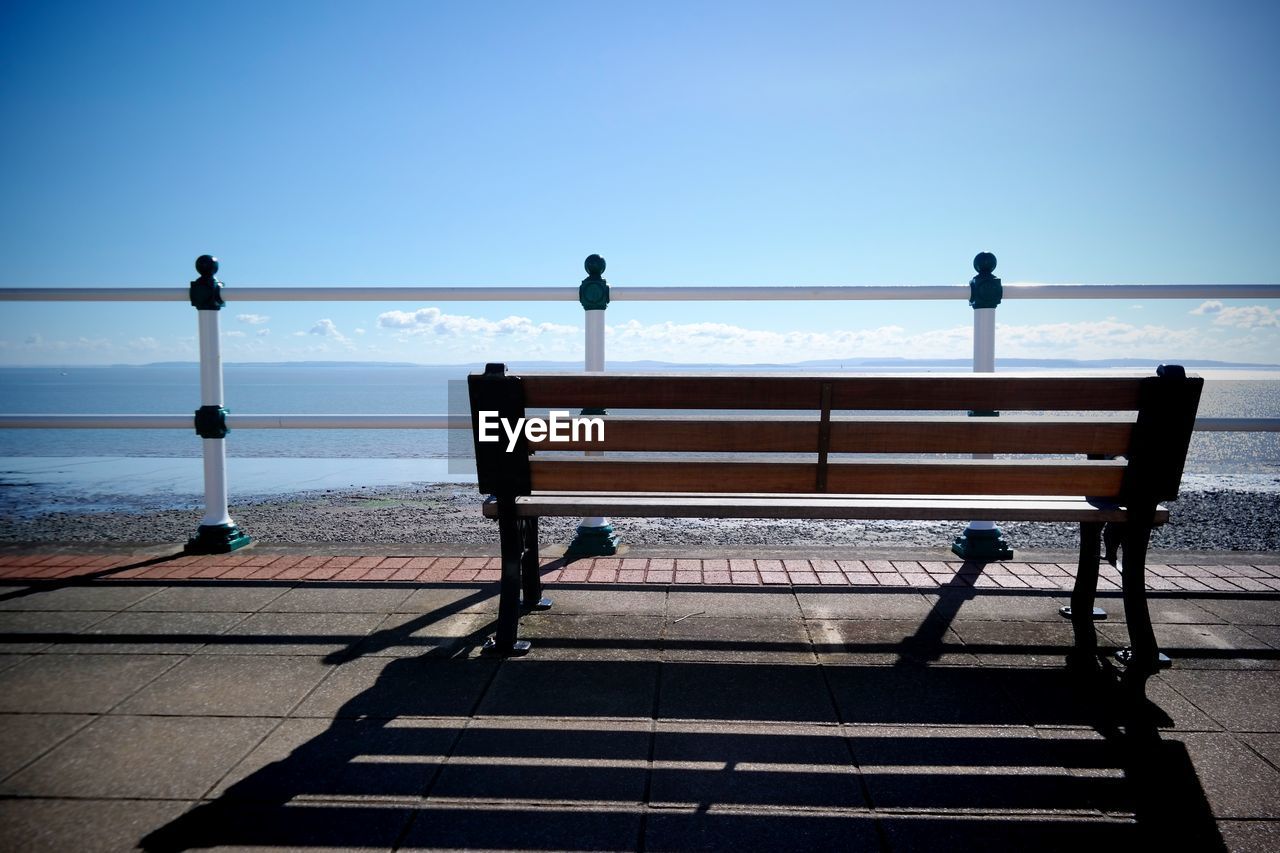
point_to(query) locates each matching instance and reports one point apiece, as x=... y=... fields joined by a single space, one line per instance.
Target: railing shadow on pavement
x=448 y=749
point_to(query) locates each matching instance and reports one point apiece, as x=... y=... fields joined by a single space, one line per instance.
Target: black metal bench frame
x=1124 y=470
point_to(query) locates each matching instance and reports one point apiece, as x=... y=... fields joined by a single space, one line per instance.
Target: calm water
x=1248 y=459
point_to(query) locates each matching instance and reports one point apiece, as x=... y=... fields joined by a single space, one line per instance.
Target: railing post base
x=593 y=542
x=982 y=545
x=217 y=539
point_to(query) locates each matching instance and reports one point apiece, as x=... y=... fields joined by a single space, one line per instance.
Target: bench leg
x=1144 y=656
x=506 y=641
x=1084 y=657
x=1112 y=536
x=531 y=567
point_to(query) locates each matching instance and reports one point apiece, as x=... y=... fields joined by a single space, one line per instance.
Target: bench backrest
x=1151 y=443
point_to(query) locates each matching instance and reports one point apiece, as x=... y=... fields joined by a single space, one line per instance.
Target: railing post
x=982 y=540
x=595 y=536
x=217 y=533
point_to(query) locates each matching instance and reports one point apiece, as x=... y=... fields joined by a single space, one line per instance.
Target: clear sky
x=708 y=143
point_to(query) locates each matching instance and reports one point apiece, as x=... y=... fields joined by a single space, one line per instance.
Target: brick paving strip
x=919 y=574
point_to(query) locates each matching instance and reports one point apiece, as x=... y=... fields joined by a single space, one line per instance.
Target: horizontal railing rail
x=234 y=421
x=627 y=293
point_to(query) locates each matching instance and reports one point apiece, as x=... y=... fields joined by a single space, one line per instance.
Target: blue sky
x=702 y=143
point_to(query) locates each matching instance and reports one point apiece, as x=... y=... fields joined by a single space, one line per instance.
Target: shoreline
x=1214 y=520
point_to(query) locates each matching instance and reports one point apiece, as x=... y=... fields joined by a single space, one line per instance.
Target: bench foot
x=1097 y=615
x=540 y=604
x=519 y=647
x=1163 y=661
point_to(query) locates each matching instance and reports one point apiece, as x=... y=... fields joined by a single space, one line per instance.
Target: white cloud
x=433 y=321
x=234 y=334
x=326 y=328
x=262 y=333
x=359 y=331
x=1241 y=317
x=253 y=319
x=34 y=340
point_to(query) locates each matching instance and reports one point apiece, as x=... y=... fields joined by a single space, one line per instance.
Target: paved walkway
x=169 y=707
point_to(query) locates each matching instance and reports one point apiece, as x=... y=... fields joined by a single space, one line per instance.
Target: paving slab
x=862 y=604
x=78 y=684
x=984 y=833
x=970 y=768
x=220 y=596
x=1235 y=781
x=764 y=603
x=385 y=688
x=24 y=737
x=339 y=599
x=243 y=685
x=1266 y=744
x=886 y=642
x=605 y=600
x=1240 y=701
x=348 y=759
x=548 y=761
x=706 y=765
x=1261 y=611
x=35 y=631
x=457 y=826
x=936 y=695
x=415 y=634
x=161 y=633
x=314 y=827
x=993 y=605
x=739 y=639
x=532 y=687
x=79 y=597
x=268 y=633
x=1250 y=836
x=86 y=826
x=1202 y=646
x=747 y=829
x=140 y=757
x=451 y=598
x=557 y=636
x=1016 y=643
x=768 y=692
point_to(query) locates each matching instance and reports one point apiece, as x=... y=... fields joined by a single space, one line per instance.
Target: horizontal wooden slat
x=997 y=477
x=881 y=477
x=672 y=476
x=1001 y=392
x=864 y=435
x=960 y=508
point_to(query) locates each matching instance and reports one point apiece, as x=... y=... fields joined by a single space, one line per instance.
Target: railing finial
x=207 y=265
x=594 y=265
x=984 y=263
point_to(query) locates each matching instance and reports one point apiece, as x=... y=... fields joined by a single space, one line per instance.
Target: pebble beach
x=433 y=513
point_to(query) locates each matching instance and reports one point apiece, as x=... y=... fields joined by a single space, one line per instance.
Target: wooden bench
x=1111 y=461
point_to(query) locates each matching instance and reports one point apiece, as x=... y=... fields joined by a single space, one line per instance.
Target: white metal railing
x=206 y=294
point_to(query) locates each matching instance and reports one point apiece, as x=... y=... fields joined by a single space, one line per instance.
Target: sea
x=115 y=468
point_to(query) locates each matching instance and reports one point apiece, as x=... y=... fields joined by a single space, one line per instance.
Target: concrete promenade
x=321 y=699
